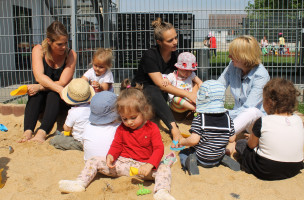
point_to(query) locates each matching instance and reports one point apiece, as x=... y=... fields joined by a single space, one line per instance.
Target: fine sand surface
x=33 y=170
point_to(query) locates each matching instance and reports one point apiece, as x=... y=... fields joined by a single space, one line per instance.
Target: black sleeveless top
x=54 y=74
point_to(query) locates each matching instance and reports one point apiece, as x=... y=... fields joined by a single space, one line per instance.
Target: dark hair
x=53 y=32
x=133 y=98
x=281 y=96
x=160 y=27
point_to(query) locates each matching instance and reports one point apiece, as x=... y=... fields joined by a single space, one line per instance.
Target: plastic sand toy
x=185 y=135
x=142 y=190
x=1 y=184
x=133 y=171
x=3 y=128
x=22 y=90
x=176 y=149
x=67 y=133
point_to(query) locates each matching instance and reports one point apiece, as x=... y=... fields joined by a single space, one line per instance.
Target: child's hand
x=110 y=161
x=165 y=82
x=95 y=85
x=145 y=169
x=247 y=135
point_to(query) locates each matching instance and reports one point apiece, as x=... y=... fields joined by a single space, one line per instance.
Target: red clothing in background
x=213 y=42
x=144 y=144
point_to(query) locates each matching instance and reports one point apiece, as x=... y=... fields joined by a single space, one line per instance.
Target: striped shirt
x=214 y=130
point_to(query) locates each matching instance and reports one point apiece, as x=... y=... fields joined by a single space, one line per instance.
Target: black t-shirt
x=152 y=61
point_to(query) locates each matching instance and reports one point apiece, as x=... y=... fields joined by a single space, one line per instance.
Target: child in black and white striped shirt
x=211 y=131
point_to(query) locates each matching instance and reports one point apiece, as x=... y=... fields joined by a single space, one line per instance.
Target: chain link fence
x=125 y=26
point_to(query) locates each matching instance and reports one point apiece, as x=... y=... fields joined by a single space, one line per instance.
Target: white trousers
x=246 y=119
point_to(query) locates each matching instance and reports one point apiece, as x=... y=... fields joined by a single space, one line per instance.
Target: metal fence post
x=73 y=27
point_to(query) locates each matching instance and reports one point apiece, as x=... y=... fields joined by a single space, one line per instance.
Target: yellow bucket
x=22 y=90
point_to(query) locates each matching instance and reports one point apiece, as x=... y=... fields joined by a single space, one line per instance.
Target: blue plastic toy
x=3 y=128
x=176 y=149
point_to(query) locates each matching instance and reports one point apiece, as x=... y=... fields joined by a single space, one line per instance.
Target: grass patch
x=301 y=108
x=268 y=60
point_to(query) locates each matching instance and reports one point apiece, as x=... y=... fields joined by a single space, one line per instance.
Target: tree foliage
x=275 y=4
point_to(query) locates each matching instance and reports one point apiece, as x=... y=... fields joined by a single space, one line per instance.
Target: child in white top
x=137 y=143
x=183 y=78
x=99 y=133
x=100 y=75
x=77 y=93
x=274 y=149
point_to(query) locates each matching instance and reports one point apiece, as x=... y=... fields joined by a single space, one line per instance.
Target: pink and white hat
x=186 y=61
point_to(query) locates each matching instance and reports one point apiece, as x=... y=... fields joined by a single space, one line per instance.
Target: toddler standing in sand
x=211 y=129
x=183 y=78
x=274 y=149
x=100 y=75
x=137 y=143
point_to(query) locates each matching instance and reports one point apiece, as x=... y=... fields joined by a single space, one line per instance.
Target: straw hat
x=78 y=91
x=211 y=97
x=186 y=61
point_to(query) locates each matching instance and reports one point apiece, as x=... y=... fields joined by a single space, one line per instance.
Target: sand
x=33 y=170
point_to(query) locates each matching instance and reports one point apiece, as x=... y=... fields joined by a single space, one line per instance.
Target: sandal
x=169 y=159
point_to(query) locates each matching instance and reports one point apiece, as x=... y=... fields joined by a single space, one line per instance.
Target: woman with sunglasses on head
x=246 y=77
x=155 y=62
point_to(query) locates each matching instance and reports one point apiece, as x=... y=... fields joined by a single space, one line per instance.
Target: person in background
x=281 y=43
x=212 y=44
x=53 y=68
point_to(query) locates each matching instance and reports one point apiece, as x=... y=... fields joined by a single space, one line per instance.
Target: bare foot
x=39 y=137
x=27 y=135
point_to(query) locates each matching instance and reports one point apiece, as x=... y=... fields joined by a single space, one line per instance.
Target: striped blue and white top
x=215 y=130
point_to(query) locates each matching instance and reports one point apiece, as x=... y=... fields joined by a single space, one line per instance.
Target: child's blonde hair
x=133 y=98
x=104 y=55
x=246 y=49
x=280 y=96
x=160 y=27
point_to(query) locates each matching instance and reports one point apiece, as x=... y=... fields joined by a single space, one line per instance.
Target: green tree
x=275 y=4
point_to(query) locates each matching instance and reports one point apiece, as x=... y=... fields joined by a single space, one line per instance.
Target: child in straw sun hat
x=211 y=130
x=77 y=93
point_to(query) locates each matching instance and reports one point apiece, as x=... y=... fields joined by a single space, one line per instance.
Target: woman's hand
x=192 y=96
x=33 y=89
x=145 y=169
x=110 y=161
x=166 y=82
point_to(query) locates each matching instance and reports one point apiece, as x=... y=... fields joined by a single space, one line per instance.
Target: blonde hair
x=246 y=49
x=160 y=27
x=133 y=98
x=104 y=55
x=53 y=32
